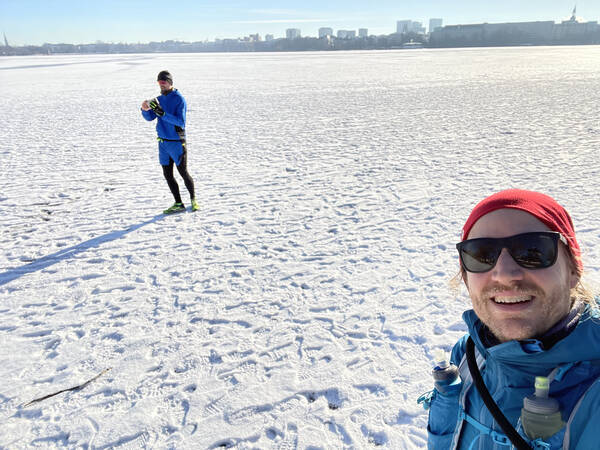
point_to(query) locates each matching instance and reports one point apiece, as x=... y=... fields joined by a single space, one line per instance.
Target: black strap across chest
x=509 y=430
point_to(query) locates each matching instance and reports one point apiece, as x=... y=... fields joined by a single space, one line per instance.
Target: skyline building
x=409 y=26
x=517 y=33
x=293 y=33
x=434 y=23
x=363 y=32
x=325 y=31
x=346 y=34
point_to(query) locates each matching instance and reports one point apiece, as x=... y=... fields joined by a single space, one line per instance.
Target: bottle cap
x=542 y=383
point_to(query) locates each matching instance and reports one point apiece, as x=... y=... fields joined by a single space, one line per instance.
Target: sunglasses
x=537 y=250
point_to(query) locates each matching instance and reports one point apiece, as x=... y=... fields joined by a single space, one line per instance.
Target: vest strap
x=498 y=438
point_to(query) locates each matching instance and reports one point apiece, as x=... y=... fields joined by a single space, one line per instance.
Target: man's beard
x=548 y=310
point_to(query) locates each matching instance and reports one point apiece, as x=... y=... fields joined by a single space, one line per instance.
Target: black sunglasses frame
x=508 y=243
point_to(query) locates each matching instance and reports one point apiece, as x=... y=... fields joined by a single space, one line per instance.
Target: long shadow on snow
x=68 y=253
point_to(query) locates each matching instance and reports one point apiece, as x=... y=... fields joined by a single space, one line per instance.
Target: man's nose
x=506 y=267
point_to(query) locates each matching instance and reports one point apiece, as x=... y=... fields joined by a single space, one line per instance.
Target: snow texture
x=301 y=306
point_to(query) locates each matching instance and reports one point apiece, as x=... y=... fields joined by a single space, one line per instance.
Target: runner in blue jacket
x=531 y=317
x=170 y=109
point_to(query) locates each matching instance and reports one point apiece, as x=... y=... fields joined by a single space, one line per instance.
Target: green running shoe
x=177 y=207
x=195 y=206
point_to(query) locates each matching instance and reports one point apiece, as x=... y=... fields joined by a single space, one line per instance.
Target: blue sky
x=85 y=21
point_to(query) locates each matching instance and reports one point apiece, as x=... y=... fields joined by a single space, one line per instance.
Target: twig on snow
x=74 y=388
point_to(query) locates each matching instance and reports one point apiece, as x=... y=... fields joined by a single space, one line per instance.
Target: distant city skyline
x=29 y=22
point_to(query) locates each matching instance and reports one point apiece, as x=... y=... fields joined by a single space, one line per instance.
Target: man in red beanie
x=516 y=301
x=521 y=264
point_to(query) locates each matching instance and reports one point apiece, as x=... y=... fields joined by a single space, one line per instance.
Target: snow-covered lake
x=300 y=307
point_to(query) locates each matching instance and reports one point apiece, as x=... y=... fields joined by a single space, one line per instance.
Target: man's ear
x=573 y=278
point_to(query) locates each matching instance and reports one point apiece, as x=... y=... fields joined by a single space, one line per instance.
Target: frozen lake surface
x=300 y=307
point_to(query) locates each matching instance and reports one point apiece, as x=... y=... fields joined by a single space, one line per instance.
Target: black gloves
x=155 y=106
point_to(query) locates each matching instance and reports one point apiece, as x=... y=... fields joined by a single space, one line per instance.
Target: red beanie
x=541 y=206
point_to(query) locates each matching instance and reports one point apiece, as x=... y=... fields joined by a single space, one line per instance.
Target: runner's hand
x=155 y=106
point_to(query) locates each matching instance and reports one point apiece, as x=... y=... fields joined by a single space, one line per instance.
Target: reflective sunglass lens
x=536 y=250
x=479 y=256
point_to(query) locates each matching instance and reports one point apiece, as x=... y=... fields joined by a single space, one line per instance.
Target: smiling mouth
x=513 y=299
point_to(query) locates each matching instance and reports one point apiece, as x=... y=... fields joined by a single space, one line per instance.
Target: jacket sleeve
x=177 y=118
x=584 y=428
x=148 y=115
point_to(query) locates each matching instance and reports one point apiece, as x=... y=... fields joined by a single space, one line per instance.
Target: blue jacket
x=462 y=421
x=171 y=126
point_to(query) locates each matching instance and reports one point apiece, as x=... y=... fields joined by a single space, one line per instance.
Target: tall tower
x=573 y=15
x=5 y=41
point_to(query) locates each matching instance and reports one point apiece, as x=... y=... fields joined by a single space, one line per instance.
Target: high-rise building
x=363 y=32
x=346 y=34
x=403 y=26
x=325 y=31
x=409 y=26
x=268 y=37
x=292 y=33
x=434 y=23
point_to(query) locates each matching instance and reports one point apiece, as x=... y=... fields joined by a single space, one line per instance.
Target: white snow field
x=301 y=306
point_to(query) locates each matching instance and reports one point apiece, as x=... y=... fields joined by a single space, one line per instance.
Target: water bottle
x=445 y=375
x=540 y=415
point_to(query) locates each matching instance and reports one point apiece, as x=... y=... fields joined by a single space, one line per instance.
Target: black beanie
x=164 y=75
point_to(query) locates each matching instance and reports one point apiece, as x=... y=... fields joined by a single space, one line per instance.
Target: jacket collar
x=572 y=339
